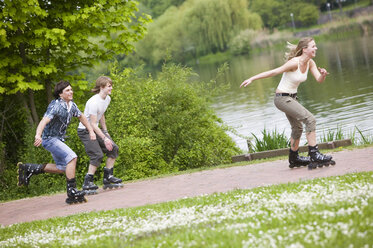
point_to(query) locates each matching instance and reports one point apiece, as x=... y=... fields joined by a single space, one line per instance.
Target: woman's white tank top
x=291 y=80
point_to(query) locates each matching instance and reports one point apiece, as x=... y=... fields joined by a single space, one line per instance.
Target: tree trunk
x=28 y=112
x=340 y=6
x=48 y=88
x=35 y=116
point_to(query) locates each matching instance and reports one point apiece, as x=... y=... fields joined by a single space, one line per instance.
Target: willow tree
x=43 y=40
x=211 y=23
x=196 y=28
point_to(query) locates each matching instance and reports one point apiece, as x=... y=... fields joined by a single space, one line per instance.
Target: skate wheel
x=83 y=199
x=312 y=166
x=332 y=162
x=291 y=166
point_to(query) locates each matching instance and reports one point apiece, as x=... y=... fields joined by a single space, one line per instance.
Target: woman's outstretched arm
x=288 y=66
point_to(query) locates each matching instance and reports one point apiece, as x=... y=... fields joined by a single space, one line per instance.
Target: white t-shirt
x=95 y=106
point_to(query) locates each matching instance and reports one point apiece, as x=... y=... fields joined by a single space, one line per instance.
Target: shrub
x=240 y=44
x=165 y=124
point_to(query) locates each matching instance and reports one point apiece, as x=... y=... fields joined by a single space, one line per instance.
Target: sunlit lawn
x=327 y=212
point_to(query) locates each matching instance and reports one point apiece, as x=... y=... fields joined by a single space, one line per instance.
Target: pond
x=344 y=100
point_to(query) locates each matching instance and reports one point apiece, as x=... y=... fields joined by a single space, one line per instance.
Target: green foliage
x=270 y=11
x=270 y=141
x=195 y=28
x=164 y=124
x=275 y=13
x=43 y=40
x=306 y=14
x=158 y=7
x=241 y=44
x=40 y=184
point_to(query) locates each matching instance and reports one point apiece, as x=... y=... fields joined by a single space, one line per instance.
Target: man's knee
x=96 y=159
x=114 y=153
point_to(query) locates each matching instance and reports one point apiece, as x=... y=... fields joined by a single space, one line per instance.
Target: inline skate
x=74 y=195
x=25 y=171
x=297 y=161
x=318 y=159
x=110 y=181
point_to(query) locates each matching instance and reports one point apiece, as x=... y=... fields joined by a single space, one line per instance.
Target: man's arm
x=39 y=130
x=86 y=123
x=98 y=131
x=103 y=125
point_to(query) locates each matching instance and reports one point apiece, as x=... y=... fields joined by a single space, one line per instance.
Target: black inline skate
x=88 y=186
x=297 y=161
x=318 y=159
x=110 y=181
x=74 y=195
x=25 y=171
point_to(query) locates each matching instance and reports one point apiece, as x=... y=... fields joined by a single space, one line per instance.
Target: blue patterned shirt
x=60 y=117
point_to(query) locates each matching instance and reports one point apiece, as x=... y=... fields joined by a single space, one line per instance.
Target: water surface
x=344 y=100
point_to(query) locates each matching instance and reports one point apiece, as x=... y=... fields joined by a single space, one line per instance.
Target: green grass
x=331 y=135
x=326 y=212
x=271 y=140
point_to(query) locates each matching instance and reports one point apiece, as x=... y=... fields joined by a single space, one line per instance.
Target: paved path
x=188 y=185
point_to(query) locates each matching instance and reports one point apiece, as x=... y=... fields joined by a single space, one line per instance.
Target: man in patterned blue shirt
x=50 y=134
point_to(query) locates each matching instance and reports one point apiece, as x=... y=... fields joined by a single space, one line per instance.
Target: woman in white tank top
x=294 y=71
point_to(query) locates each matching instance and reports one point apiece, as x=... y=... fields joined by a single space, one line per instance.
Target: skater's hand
x=37 y=141
x=323 y=72
x=246 y=82
x=108 y=143
x=92 y=135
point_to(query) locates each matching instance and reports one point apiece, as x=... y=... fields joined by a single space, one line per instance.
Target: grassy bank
x=327 y=212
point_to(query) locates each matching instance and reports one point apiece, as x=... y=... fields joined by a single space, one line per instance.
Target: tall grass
x=331 y=135
x=271 y=140
x=364 y=139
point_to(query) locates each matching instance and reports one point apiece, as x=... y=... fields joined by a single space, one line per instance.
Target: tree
x=158 y=7
x=43 y=40
x=196 y=28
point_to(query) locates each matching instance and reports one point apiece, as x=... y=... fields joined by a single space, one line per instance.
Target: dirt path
x=188 y=185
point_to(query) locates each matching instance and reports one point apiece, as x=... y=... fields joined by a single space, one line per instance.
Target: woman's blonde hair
x=101 y=82
x=295 y=51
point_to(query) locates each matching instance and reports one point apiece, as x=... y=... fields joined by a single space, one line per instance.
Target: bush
x=240 y=44
x=165 y=124
x=307 y=14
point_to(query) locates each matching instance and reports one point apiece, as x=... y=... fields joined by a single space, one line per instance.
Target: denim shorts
x=61 y=153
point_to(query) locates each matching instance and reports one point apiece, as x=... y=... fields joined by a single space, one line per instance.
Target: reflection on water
x=344 y=100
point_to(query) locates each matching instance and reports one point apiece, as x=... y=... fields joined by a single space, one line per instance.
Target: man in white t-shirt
x=95 y=112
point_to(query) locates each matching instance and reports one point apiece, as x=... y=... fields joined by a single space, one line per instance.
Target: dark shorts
x=96 y=149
